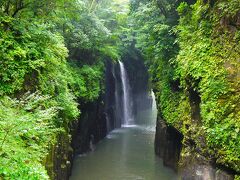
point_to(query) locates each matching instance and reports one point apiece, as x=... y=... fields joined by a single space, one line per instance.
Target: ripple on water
x=111 y=136
x=129 y=125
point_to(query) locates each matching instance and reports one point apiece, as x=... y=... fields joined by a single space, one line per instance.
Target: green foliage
x=201 y=52
x=206 y=59
x=26 y=131
x=94 y=30
x=55 y=51
x=85 y=82
x=32 y=58
x=183 y=8
x=155 y=39
x=25 y=49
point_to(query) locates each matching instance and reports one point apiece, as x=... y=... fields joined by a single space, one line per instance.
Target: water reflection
x=125 y=154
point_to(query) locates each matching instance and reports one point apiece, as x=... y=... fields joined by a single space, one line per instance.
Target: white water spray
x=127 y=111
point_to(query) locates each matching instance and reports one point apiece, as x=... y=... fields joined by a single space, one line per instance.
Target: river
x=125 y=154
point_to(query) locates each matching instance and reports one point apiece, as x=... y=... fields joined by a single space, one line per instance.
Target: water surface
x=125 y=154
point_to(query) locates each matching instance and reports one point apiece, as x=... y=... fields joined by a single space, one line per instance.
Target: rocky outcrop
x=82 y=135
x=58 y=161
x=168 y=144
x=139 y=80
x=183 y=159
x=113 y=92
x=193 y=166
x=91 y=127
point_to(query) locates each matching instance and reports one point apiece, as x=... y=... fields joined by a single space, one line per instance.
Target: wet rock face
x=139 y=80
x=168 y=144
x=113 y=94
x=190 y=165
x=198 y=172
x=196 y=167
x=83 y=133
x=58 y=161
x=91 y=127
x=110 y=90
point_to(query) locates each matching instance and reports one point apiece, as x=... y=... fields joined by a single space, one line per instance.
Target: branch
x=7 y=7
x=19 y=6
x=162 y=8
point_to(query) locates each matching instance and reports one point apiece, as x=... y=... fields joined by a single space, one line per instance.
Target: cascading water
x=127 y=152
x=127 y=109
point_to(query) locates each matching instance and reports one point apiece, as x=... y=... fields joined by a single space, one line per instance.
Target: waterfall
x=154 y=103
x=127 y=109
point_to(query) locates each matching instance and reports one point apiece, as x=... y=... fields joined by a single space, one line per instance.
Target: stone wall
x=183 y=158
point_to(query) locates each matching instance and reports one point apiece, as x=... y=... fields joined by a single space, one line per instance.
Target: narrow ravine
x=127 y=153
x=76 y=83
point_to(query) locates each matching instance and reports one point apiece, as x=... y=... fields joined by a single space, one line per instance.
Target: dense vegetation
x=51 y=60
x=192 y=50
x=52 y=57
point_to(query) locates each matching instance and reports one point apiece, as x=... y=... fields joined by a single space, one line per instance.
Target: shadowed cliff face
x=110 y=96
x=113 y=93
x=139 y=80
x=168 y=144
x=58 y=161
x=196 y=167
x=85 y=132
x=91 y=127
x=190 y=166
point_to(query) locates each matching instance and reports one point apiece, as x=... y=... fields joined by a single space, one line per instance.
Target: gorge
x=126 y=152
x=120 y=89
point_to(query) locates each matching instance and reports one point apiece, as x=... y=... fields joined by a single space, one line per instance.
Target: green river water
x=125 y=154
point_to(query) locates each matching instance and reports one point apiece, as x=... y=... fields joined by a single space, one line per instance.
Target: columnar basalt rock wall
x=83 y=134
x=190 y=165
x=91 y=127
x=139 y=80
x=168 y=144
